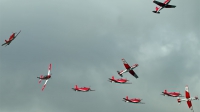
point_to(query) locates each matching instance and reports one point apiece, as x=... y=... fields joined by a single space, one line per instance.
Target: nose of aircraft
x=196 y=98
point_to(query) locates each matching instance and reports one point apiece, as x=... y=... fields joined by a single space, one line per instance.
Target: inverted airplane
x=121 y=80
x=172 y=94
x=162 y=5
x=128 y=69
x=12 y=37
x=82 y=89
x=188 y=99
x=133 y=100
x=46 y=77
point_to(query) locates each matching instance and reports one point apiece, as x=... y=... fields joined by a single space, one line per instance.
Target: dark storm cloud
x=85 y=41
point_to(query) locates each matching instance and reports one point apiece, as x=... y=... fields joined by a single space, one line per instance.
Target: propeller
x=74 y=89
x=196 y=97
x=162 y=94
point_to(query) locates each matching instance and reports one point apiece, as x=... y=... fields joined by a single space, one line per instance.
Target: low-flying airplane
x=46 y=77
x=172 y=94
x=12 y=37
x=134 y=100
x=82 y=89
x=121 y=80
x=188 y=99
x=128 y=69
x=162 y=5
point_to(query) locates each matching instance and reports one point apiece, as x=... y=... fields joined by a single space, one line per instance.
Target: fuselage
x=119 y=80
x=173 y=94
x=45 y=77
x=82 y=89
x=135 y=100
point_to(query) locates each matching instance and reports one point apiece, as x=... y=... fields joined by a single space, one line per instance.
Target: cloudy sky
x=85 y=41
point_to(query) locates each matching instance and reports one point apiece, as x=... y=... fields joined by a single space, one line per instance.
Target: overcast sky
x=85 y=41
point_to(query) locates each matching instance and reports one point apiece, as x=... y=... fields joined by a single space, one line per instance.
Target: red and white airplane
x=12 y=37
x=187 y=98
x=46 y=77
x=134 y=100
x=121 y=80
x=128 y=69
x=172 y=94
x=82 y=89
x=162 y=5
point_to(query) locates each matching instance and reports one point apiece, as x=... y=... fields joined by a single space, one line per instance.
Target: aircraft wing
x=3 y=44
x=190 y=105
x=159 y=3
x=44 y=85
x=126 y=65
x=16 y=35
x=133 y=74
x=187 y=94
x=170 y=6
x=49 y=70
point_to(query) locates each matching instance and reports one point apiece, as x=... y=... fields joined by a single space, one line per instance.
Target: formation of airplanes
x=128 y=68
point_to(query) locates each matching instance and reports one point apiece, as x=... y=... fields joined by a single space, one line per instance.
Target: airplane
x=82 y=89
x=172 y=94
x=187 y=98
x=12 y=37
x=134 y=100
x=128 y=69
x=46 y=77
x=121 y=80
x=162 y=5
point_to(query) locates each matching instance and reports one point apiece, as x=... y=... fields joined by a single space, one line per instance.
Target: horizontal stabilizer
x=156 y=12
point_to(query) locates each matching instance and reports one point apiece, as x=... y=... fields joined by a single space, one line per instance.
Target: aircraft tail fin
x=76 y=87
x=113 y=77
x=41 y=76
x=165 y=91
x=178 y=100
x=126 y=97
